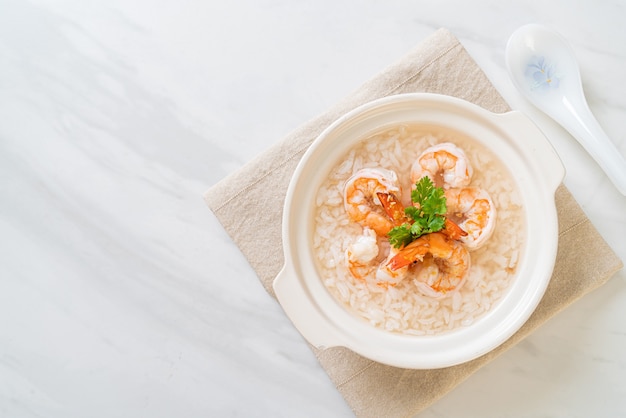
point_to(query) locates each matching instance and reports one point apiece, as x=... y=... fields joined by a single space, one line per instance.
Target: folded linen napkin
x=440 y=64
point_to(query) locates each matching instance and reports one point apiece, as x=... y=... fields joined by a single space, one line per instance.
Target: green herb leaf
x=412 y=212
x=427 y=214
x=400 y=236
x=429 y=198
x=417 y=229
x=436 y=223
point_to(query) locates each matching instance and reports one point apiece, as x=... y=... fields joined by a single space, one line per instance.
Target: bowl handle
x=302 y=310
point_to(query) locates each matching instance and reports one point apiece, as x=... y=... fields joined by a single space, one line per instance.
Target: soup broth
x=402 y=308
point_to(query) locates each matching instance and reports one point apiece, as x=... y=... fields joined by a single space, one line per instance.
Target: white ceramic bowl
x=324 y=322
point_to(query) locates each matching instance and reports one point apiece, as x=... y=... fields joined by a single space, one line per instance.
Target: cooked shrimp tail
x=393 y=207
x=452 y=230
x=415 y=251
x=386 y=276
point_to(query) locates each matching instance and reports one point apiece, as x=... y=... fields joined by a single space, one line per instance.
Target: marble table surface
x=120 y=293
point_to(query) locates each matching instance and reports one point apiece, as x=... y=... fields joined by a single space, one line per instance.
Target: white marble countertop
x=120 y=293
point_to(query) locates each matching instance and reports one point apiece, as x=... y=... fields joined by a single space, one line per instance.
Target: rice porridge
x=401 y=307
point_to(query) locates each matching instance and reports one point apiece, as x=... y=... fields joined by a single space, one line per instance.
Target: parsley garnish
x=427 y=215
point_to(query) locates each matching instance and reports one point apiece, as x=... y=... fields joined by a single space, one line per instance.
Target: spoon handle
x=578 y=120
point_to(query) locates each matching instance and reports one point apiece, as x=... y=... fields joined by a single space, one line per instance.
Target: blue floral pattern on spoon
x=542 y=74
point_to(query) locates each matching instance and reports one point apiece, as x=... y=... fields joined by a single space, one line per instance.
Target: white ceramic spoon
x=543 y=68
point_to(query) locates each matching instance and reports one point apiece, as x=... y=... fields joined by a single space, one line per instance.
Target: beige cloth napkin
x=440 y=65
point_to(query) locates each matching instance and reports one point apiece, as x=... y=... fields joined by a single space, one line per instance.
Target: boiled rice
x=402 y=308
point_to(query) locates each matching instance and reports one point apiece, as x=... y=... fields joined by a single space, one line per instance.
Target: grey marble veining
x=120 y=293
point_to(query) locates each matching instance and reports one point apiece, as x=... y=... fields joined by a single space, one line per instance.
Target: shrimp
x=361 y=253
x=452 y=230
x=362 y=260
x=385 y=276
x=361 y=198
x=474 y=212
x=445 y=164
x=442 y=264
x=393 y=208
